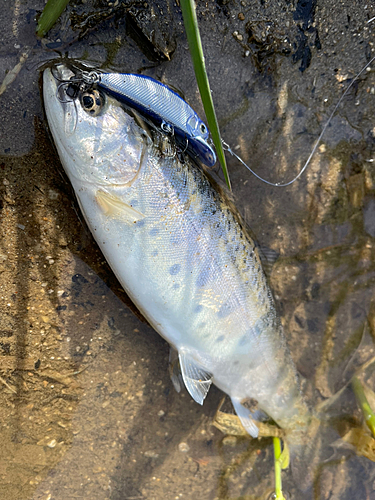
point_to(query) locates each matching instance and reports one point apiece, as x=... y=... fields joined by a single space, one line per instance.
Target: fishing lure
x=164 y=106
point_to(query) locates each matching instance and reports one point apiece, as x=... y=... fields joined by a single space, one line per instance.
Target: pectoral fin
x=245 y=416
x=114 y=207
x=197 y=380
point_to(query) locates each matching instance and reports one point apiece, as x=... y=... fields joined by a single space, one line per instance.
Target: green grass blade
x=368 y=414
x=196 y=51
x=52 y=11
x=280 y=463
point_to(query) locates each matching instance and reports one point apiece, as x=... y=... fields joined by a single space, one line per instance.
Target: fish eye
x=203 y=128
x=92 y=102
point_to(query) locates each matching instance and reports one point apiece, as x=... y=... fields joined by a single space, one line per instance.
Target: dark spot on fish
x=176 y=286
x=203 y=278
x=241 y=235
x=175 y=269
x=220 y=339
x=243 y=340
x=236 y=363
x=155 y=253
x=225 y=310
x=141 y=223
x=154 y=231
x=198 y=309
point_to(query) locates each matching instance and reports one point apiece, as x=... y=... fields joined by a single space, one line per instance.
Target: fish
x=163 y=105
x=181 y=252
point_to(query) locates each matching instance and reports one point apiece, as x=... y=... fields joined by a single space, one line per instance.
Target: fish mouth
x=57 y=81
x=52 y=105
x=61 y=112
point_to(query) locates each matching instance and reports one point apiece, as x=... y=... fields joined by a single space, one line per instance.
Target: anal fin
x=245 y=416
x=197 y=380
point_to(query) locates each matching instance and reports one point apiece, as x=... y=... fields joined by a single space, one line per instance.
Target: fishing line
x=278 y=184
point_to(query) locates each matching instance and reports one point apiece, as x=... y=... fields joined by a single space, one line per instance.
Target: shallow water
x=87 y=407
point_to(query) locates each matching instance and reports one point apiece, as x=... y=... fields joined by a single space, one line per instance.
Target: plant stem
x=278 y=467
x=196 y=51
x=364 y=405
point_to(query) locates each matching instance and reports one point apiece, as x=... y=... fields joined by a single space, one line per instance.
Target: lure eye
x=203 y=128
x=92 y=102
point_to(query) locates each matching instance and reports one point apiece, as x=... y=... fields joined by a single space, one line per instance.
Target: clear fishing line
x=278 y=184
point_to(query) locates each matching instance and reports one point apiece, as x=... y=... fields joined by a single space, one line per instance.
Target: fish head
x=96 y=138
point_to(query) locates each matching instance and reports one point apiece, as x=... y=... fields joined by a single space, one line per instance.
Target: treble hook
x=58 y=92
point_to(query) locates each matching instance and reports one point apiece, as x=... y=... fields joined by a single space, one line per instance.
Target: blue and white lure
x=161 y=104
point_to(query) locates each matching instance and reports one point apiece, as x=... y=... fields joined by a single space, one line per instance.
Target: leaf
x=362 y=441
x=52 y=11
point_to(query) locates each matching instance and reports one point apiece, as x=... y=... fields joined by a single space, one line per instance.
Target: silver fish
x=163 y=105
x=180 y=251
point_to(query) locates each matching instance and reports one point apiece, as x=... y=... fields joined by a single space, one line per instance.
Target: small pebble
x=183 y=447
x=230 y=441
x=52 y=443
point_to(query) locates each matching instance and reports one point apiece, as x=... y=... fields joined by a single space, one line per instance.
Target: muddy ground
x=87 y=409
